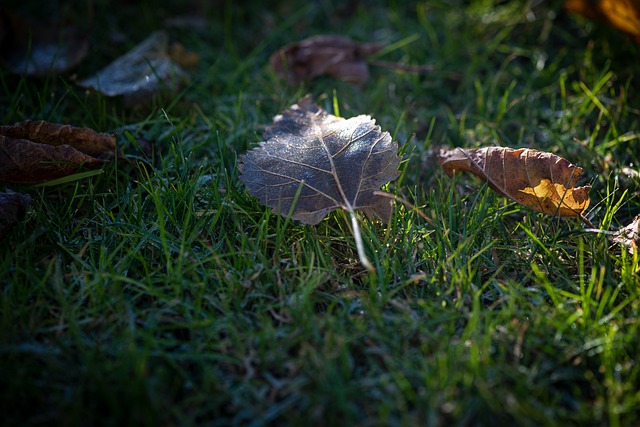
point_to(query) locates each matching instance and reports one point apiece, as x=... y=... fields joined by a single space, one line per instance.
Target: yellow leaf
x=549 y=197
x=622 y=14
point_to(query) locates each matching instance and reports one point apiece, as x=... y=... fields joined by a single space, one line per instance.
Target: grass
x=165 y=295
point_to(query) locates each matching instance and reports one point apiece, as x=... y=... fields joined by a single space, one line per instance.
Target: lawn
x=159 y=292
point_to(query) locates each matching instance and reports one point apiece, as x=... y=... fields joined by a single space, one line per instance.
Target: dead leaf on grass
x=13 y=207
x=313 y=162
x=35 y=152
x=335 y=56
x=622 y=14
x=542 y=181
x=629 y=236
x=35 y=50
x=139 y=74
x=335 y=162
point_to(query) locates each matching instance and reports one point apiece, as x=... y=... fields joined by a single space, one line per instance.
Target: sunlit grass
x=159 y=292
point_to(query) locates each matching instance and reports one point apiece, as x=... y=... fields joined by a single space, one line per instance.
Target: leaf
x=181 y=56
x=338 y=163
x=629 y=236
x=622 y=14
x=336 y=56
x=542 y=181
x=36 y=50
x=13 y=207
x=313 y=162
x=34 y=152
x=140 y=73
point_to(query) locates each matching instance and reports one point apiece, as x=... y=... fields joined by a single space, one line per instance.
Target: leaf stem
x=360 y=244
x=586 y=221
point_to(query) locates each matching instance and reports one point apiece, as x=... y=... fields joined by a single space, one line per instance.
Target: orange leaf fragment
x=622 y=14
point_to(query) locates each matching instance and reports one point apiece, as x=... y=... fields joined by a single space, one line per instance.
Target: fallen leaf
x=13 y=207
x=35 y=50
x=542 y=181
x=622 y=14
x=335 y=162
x=181 y=56
x=34 y=152
x=336 y=56
x=140 y=73
x=629 y=236
x=313 y=162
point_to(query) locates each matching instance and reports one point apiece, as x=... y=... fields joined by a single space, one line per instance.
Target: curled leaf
x=13 y=207
x=34 y=152
x=140 y=73
x=542 y=181
x=335 y=56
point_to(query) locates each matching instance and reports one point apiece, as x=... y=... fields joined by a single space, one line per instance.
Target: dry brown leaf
x=629 y=236
x=622 y=14
x=542 y=181
x=12 y=209
x=34 y=152
x=336 y=56
x=33 y=49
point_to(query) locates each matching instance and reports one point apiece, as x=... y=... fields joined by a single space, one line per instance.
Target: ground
x=160 y=293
